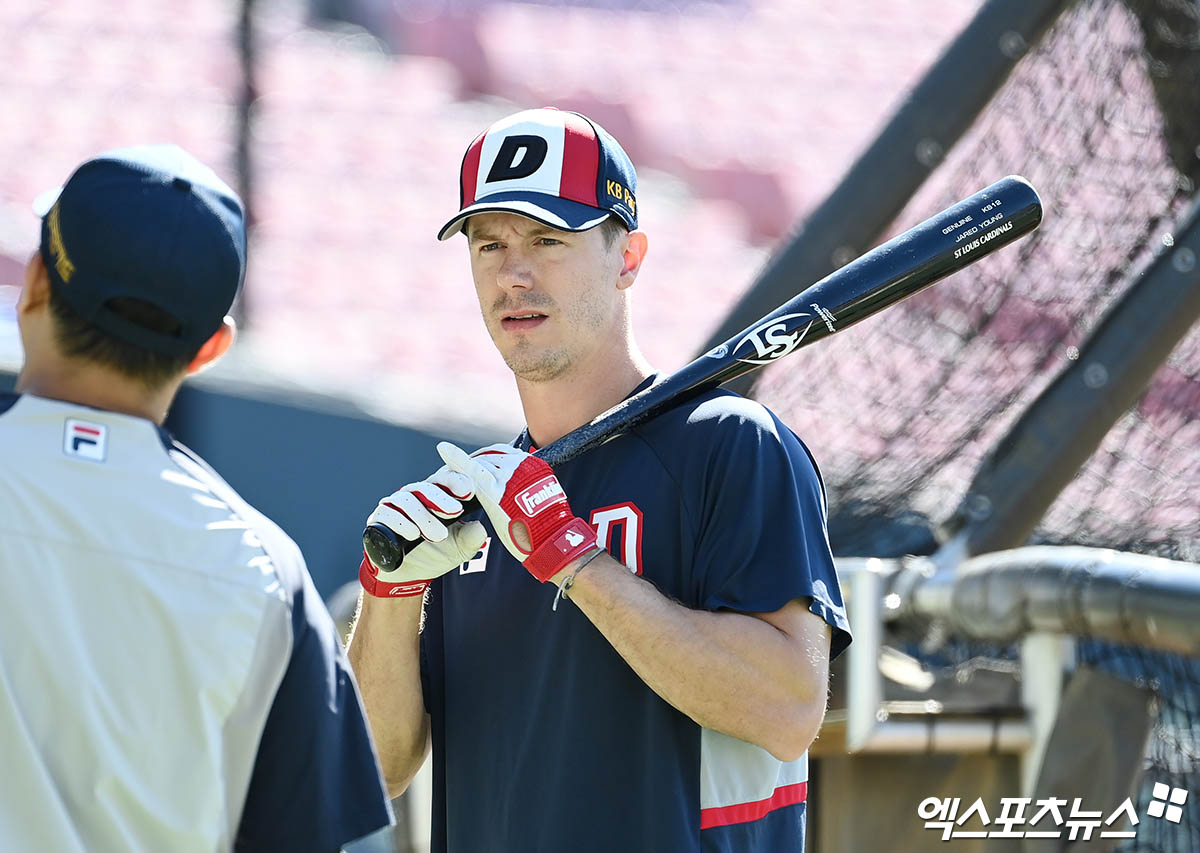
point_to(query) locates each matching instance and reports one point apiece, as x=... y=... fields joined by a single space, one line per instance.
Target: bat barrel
x=941 y=245
x=955 y=238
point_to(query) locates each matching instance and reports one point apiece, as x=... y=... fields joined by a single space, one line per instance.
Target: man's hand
x=418 y=511
x=526 y=504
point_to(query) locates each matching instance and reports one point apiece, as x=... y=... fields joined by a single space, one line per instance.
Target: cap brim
x=45 y=201
x=556 y=212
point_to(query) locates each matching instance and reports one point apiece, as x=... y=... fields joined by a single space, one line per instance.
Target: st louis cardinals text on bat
x=986 y=238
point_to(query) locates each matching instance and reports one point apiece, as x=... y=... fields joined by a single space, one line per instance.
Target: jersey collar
x=524 y=442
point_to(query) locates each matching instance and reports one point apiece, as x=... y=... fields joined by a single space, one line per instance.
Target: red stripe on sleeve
x=788 y=795
x=581 y=161
x=84 y=429
x=470 y=172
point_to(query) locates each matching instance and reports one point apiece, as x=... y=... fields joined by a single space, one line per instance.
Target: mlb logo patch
x=85 y=439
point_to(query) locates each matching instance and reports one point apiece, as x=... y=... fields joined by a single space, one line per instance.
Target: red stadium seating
x=735 y=129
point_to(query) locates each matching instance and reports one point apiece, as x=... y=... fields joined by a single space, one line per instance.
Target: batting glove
x=515 y=487
x=418 y=511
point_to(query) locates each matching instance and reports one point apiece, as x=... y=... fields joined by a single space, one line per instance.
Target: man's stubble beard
x=531 y=364
x=537 y=366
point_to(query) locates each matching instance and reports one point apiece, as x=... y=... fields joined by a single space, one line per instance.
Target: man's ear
x=631 y=259
x=36 y=292
x=215 y=347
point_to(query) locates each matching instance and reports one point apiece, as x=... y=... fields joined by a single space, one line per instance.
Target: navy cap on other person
x=143 y=251
x=179 y=684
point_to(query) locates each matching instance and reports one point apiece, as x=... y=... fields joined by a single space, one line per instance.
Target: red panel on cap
x=470 y=172
x=581 y=161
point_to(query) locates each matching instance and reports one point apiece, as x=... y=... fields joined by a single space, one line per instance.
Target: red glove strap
x=368 y=576
x=534 y=497
x=571 y=541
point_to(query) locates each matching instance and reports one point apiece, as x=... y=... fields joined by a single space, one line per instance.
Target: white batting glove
x=419 y=512
x=516 y=487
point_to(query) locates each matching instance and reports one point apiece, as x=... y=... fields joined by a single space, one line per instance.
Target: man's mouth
x=521 y=321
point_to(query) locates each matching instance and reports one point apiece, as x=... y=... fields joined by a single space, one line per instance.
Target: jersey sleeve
x=762 y=536
x=316 y=783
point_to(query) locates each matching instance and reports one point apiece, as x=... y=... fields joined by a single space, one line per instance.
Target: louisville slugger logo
x=545 y=492
x=773 y=339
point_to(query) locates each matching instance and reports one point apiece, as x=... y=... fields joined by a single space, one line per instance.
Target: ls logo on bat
x=771 y=340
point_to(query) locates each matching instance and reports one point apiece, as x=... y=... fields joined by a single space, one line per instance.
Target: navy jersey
x=544 y=738
x=172 y=680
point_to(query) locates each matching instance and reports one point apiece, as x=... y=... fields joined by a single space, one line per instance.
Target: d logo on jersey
x=618 y=531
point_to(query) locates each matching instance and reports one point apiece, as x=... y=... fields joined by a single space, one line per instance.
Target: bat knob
x=383 y=548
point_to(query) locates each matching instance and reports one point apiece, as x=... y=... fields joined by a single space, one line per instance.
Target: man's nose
x=515 y=272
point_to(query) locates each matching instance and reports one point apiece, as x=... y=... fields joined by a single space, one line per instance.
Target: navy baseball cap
x=556 y=167
x=150 y=222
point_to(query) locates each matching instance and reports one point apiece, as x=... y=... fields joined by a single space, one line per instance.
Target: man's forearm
x=737 y=674
x=384 y=650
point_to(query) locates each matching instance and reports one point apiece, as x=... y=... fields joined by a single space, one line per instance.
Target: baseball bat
x=955 y=238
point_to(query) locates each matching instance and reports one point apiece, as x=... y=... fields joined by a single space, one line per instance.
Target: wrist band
x=368 y=577
x=570 y=582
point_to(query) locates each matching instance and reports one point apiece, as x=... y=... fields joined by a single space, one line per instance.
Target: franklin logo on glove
x=540 y=495
x=509 y=483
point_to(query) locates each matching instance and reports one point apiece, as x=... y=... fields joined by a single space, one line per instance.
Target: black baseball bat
x=958 y=236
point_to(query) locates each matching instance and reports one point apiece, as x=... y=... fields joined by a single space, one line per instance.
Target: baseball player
x=629 y=652
x=169 y=678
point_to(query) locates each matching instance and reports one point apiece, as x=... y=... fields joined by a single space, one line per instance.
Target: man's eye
x=487 y=247
x=550 y=241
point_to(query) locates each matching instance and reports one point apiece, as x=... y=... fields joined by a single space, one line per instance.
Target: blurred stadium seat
x=355 y=150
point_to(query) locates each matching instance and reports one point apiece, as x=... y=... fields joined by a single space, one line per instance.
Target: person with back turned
x=169 y=678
